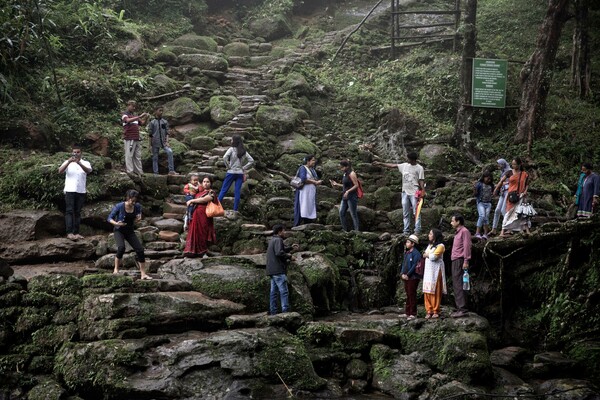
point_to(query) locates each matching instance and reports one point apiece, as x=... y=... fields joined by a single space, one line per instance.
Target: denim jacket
x=118 y=212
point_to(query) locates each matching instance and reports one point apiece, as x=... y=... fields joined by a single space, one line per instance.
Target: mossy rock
x=107 y=282
x=271 y=27
x=33 y=318
x=237 y=49
x=204 y=61
x=238 y=283
x=286 y=356
x=56 y=284
x=322 y=277
x=51 y=337
x=465 y=356
x=588 y=355
x=223 y=108
x=279 y=120
x=166 y=56
x=197 y=42
x=164 y=84
x=383 y=198
x=39 y=299
x=47 y=390
x=203 y=143
x=296 y=83
x=182 y=111
x=296 y=143
x=11 y=298
x=94 y=367
x=444 y=159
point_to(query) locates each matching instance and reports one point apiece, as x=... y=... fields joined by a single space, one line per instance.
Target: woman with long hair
x=201 y=231
x=305 y=198
x=518 y=182
x=501 y=190
x=237 y=161
x=434 y=276
x=123 y=217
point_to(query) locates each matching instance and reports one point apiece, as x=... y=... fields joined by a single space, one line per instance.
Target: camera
x=74 y=155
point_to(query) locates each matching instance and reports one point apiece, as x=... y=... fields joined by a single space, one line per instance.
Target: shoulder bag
x=296 y=181
x=513 y=196
x=214 y=209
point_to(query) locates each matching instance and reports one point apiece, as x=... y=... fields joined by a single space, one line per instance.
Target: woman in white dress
x=305 y=199
x=434 y=276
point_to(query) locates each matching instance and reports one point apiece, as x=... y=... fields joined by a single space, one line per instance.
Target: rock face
x=279 y=120
x=271 y=28
x=204 y=61
x=22 y=225
x=47 y=250
x=182 y=111
x=197 y=42
x=223 y=108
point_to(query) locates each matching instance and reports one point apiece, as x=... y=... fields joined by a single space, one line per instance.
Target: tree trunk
x=536 y=75
x=581 y=71
x=464 y=118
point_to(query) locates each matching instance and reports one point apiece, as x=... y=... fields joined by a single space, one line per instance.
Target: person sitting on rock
x=412 y=257
x=278 y=256
x=123 y=217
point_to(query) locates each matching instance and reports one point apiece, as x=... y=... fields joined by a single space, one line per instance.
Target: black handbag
x=514 y=196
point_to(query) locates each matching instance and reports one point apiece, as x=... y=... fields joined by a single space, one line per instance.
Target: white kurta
x=433 y=266
x=308 y=198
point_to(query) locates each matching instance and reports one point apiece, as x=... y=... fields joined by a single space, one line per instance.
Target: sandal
x=146 y=278
x=428 y=316
x=435 y=316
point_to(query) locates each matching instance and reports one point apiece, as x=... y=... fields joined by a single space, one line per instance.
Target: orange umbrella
x=419 y=205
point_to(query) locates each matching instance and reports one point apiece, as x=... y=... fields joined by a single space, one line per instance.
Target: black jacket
x=277 y=256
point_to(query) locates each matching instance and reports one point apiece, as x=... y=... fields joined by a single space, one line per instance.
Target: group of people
x=511 y=190
x=433 y=274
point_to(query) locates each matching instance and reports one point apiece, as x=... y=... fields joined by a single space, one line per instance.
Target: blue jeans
x=483 y=209
x=409 y=208
x=352 y=204
x=279 y=285
x=237 y=191
x=500 y=209
x=169 y=152
x=74 y=203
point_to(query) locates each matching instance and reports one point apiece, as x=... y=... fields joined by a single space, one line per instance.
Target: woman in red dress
x=202 y=229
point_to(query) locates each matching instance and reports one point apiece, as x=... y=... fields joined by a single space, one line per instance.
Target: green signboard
x=489 y=83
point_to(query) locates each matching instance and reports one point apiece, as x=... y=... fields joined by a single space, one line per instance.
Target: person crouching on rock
x=278 y=256
x=409 y=277
x=123 y=217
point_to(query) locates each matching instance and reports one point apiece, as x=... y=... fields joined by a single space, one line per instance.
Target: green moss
x=46 y=390
x=56 y=284
x=11 y=298
x=223 y=108
x=33 y=318
x=288 y=358
x=381 y=357
x=465 y=356
x=39 y=299
x=10 y=287
x=197 y=42
x=588 y=355
x=107 y=282
x=50 y=338
x=318 y=334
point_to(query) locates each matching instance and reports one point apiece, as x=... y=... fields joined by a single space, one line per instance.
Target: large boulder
x=270 y=27
x=47 y=250
x=397 y=374
x=107 y=316
x=322 y=278
x=164 y=84
x=182 y=366
x=180 y=269
x=22 y=225
x=182 y=111
x=279 y=120
x=196 y=42
x=204 y=61
x=223 y=108
x=237 y=49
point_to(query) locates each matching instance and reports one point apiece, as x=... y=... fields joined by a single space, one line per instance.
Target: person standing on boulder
x=278 y=256
x=460 y=256
x=413 y=179
x=158 y=129
x=237 y=161
x=123 y=217
x=305 y=198
x=349 y=195
x=412 y=257
x=131 y=137
x=434 y=276
x=76 y=170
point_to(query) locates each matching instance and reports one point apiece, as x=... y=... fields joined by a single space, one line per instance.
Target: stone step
x=173 y=208
x=219 y=151
x=161 y=246
x=254 y=99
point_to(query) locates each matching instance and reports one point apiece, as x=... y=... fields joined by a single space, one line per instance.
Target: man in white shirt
x=413 y=179
x=76 y=171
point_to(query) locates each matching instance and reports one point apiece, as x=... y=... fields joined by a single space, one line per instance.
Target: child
x=190 y=190
x=412 y=256
x=483 y=190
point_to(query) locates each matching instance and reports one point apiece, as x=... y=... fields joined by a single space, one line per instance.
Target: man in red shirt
x=131 y=137
x=461 y=254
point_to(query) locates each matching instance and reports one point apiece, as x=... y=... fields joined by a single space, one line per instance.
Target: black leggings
x=132 y=239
